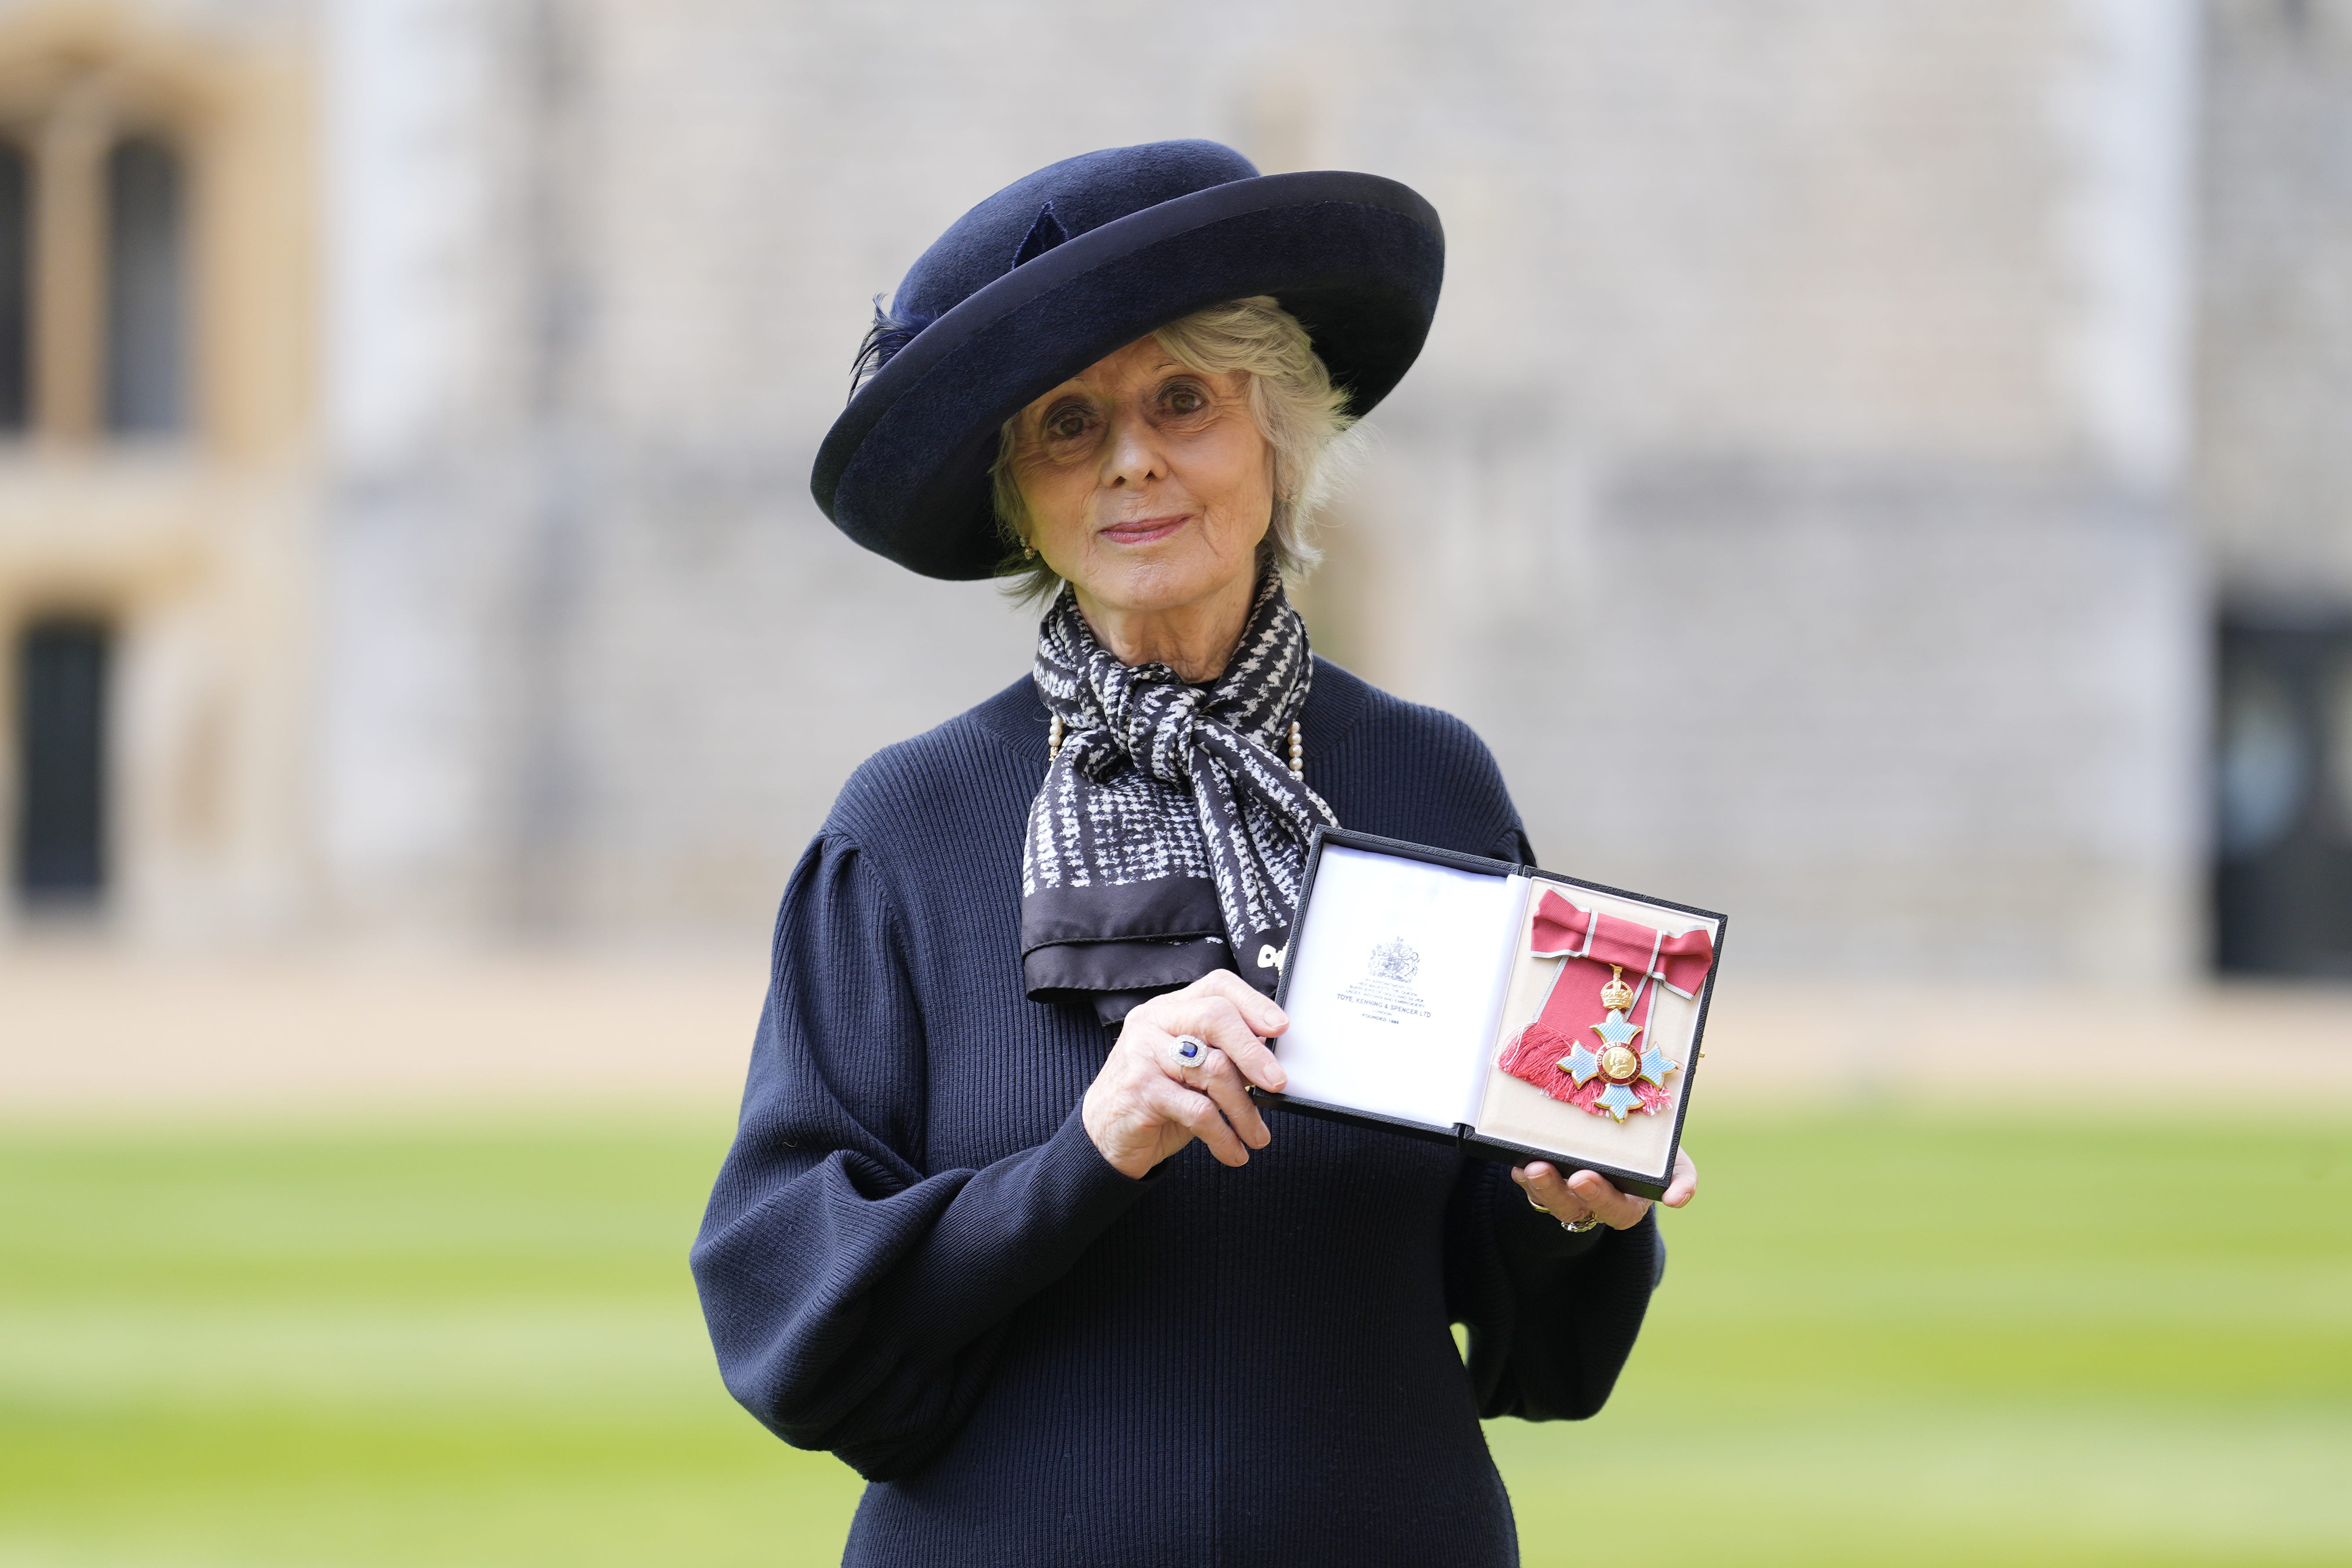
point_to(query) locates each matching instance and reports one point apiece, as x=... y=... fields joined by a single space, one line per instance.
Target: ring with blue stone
x=1188 y=1051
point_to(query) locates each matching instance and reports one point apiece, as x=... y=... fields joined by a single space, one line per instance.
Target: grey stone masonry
x=1840 y=425
x=1789 y=493
x=2275 y=345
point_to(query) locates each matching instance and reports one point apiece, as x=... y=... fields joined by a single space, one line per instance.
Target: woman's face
x=1148 y=485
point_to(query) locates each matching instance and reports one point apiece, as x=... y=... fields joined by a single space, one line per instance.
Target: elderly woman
x=1003 y=1226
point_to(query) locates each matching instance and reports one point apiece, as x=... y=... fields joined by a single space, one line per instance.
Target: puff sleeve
x=857 y=1300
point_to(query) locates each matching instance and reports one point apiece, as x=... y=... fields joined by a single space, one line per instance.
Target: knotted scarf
x=1170 y=838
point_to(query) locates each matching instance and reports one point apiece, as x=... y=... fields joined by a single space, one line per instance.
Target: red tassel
x=1534 y=1057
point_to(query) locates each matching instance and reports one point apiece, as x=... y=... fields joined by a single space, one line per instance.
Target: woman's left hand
x=1589 y=1193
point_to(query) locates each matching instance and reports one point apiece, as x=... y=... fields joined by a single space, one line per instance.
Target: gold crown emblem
x=1616 y=996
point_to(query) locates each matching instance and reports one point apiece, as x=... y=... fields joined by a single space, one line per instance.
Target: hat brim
x=1356 y=258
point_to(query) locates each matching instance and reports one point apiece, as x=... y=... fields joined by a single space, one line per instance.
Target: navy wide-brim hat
x=1081 y=258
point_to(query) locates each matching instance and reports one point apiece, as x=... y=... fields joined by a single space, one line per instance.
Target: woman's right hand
x=1145 y=1105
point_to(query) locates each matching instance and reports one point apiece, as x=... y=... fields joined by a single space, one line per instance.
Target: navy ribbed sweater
x=914 y=1257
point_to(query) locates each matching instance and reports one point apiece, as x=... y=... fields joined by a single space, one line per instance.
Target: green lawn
x=1886 y=1340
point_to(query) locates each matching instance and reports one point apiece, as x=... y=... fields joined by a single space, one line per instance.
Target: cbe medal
x=1603 y=1068
x=1617 y=1063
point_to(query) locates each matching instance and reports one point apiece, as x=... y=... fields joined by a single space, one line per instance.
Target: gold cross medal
x=1619 y=1068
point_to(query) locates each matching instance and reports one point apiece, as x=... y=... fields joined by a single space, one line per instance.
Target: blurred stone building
x=1856 y=444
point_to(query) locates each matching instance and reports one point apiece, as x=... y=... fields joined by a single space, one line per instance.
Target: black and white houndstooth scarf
x=1169 y=833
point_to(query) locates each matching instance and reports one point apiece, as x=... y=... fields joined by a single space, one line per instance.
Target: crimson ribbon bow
x=1591 y=942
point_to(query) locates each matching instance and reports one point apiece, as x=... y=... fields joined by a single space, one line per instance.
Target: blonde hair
x=1292 y=401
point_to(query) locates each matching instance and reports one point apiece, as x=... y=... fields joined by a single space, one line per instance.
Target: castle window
x=146 y=369
x=61 y=688
x=16 y=278
x=2282 y=875
x=97 y=281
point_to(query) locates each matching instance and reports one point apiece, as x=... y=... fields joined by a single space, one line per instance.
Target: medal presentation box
x=1516 y=1013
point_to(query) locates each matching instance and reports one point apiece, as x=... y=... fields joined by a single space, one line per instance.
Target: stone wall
x=2274 y=348
x=1789 y=492
x=187 y=550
